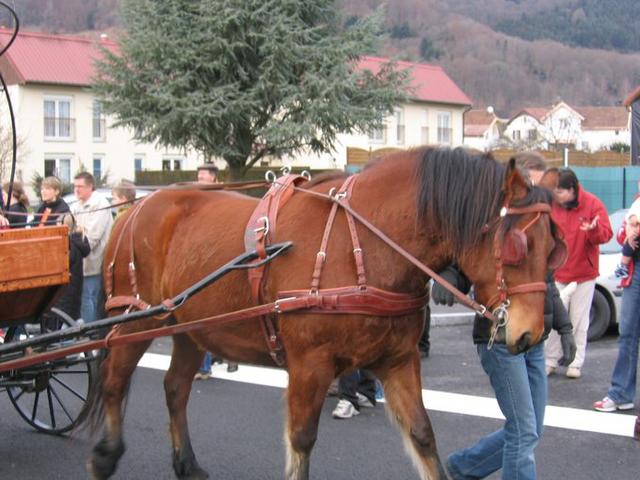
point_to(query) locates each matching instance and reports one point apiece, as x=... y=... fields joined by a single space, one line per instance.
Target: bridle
x=510 y=247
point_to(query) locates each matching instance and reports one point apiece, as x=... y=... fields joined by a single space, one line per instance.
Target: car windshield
x=612 y=246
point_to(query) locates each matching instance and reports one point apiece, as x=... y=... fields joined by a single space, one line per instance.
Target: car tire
x=599 y=316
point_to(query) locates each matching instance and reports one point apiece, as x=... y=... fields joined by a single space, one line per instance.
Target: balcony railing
x=60 y=127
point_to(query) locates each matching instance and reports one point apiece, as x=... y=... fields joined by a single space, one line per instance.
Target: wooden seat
x=34 y=264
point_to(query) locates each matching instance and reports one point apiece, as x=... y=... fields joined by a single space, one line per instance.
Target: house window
x=58 y=166
x=424 y=129
x=377 y=135
x=399 y=126
x=532 y=134
x=172 y=163
x=58 y=123
x=516 y=135
x=444 y=128
x=98 y=121
x=138 y=163
x=564 y=123
x=97 y=166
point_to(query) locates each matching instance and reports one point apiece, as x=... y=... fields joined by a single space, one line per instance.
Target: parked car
x=605 y=306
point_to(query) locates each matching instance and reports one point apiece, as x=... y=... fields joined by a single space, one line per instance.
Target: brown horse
x=441 y=205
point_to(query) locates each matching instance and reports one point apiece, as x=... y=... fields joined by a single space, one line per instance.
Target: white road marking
x=560 y=417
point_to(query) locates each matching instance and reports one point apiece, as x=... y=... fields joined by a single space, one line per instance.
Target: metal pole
x=565 y=157
x=624 y=187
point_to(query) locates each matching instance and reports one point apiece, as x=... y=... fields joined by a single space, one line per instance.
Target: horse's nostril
x=524 y=343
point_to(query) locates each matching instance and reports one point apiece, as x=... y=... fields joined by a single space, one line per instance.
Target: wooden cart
x=34 y=269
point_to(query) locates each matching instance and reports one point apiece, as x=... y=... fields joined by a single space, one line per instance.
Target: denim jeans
x=623 y=379
x=206 y=363
x=520 y=385
x=91 y=295
x=358 y=381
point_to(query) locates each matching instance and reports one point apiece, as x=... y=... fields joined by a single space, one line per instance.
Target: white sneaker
x=345 y=409
x=573 y=372
x=608 y=405
x=363 y=401
x=550 y=370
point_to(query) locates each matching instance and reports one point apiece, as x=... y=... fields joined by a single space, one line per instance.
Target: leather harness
x=360 y=298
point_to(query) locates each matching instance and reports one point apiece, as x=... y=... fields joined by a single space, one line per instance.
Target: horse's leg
x=309 y=380
x=116 y=371
x=185 y=360
x=403 y=394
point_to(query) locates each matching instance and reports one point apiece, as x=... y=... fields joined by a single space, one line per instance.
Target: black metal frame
x=97 y=328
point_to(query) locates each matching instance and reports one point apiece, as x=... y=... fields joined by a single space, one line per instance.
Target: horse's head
x=501 y=234
x=523 y=245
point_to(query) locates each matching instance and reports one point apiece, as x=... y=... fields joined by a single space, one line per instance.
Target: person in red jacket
x=585 y=223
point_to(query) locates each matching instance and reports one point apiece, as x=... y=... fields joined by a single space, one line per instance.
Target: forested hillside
x=505 y=53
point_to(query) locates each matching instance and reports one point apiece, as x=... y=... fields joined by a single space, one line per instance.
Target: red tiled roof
x=68 y=60
x=536 y=112
x=477 y=122
x=429 y=83
x=604 y=118
x=53 y=59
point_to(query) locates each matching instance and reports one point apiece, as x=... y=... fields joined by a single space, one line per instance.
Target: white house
x=59 y=122
x=482 y=129
x=433 y=115
x=62 y=126
x=602 y=127
x=583 y=128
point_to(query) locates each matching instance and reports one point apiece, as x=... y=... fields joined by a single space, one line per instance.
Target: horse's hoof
x=196 y=474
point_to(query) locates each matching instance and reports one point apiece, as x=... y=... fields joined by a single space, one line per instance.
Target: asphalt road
x=236 y=427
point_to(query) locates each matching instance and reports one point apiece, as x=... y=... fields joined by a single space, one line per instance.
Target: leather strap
x=356 y=300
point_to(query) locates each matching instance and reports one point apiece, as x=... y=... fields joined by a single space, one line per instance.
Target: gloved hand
x=569 y=349
x=439 y=294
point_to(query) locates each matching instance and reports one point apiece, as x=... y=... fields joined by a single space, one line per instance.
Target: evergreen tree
x=245 y=79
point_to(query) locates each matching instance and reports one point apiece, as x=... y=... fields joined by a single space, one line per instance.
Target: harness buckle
x=264 y=228
x=270 y=176
x=277 y=303
x=322 y=255
x=335 y=195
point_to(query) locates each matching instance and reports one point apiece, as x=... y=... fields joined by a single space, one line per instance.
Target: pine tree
x=245 y=79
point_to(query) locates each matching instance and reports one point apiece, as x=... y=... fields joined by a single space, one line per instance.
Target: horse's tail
x=93 y=415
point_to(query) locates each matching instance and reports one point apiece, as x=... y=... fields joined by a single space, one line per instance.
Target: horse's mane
x=461 y=191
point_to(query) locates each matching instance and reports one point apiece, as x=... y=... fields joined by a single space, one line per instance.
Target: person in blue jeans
x=622 y=391
x=520 y=386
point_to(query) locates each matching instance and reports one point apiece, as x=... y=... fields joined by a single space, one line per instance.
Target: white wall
x=117 y=150
x=415 y=116
x=596 y=140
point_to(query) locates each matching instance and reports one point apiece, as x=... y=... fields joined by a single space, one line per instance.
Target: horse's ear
x=515 y=186
x=550 y=179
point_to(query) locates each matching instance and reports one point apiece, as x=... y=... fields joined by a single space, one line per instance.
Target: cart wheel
x=52 y=396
